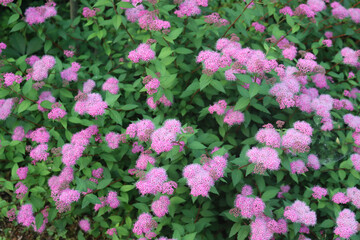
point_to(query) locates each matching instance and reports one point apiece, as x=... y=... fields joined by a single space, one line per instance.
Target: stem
x=198 y=214
x=237 y=18
x=244 y=166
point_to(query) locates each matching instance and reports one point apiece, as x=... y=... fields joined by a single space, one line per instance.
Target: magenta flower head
x=142 y=52
x=22 y=172
x=160 y=206
x=269 y=136
x=319 y=192
x=84 y=224
x=346 y=224
x=266 y=157
x=25 y=215
x=301 y=213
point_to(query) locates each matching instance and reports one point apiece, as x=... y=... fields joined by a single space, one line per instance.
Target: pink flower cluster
x=354 y=123
x=90 y=103
x=298 y=167
x=111 y=200
x=70 y=74
x=351 y=57
x=39 y=153
x=25 y=215
x=269 y=136
x=5 y=2
x=40 y=67
x=354 y=195
x=56 y=112
x=144 y=225
x=352 y=93
x=284 y=189
x=153 y=105
x=22 y=172
x=249 y=206
x=310 y=9
x=69 y=53
x=71 y=152
x=201 y=178
x=113 y=139
x=355 y=158
x=301 y=213
x=151 y=84
x=141 y=129
x=346 y=224
x=163 y=139
x=215 y=19
x=264 y=158
x=84 y=224
x=88 y=13
x=5 y=107
x=155 y=181
x=313 y=162
x=18 y=134
x=111 y=85
x=143 y=160
x=142 y=52
x=45 y=96
x=10 y=78
x=2 y=46
x=258 y=27
x=319 y=192
x=218 y=107
x=263 y=228
x=160 y=207
x=21 y=190
x=36 y=15
x=190 y=7
x=340 y=12
x=298 y=139
x=340 y=198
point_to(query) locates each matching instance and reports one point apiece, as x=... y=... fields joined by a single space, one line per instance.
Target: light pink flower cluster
x=36 y=15
x=18 y=134
x=144 y=225
x=249 y=206
x=40 y=67
x=10 y=78
x=88 y=86
x=201 y=178
x=111 y=231
x=264 y=158
x=113 y=139
x=298 y=138
x=39 y=153
x=45 y=96
x=301 y=213
x=355 y=158
x=298 y=167
x=258 y=27
x=155 y=181
x=319 y=192
x=142 y=52
x=5 y=2
x=60 y=183
x=56 y=112
x=346 y=224
x=153 y=105
x=91 y=104
x=338 y=11
x=215 y=19
x=143 y=160
x=88 y=13
x=111 y=85
x=313 y=162
x=84 y=224
x=163 y=139
x=286 y=11
x=22 y=172
x=354 y=195
x=151 y=84
x=284 y=189
x=149 y=20
x=190 y=8
x=5 y=107
x=70 y=74
x=2 y=46
x=218 y=107
x=25 y=215
x=141 y=129
x=21 y=190
x=133 y=14
x=233 y=117
x=269 y=136
x=160 y=207
x=351 y=57
x=343 y=104
x=340 y=198
x=111 y=200
x=263 y=227
x=69 y=53
x=352 y=93
x=354 y=123
x=40 y=135
x=71 y=152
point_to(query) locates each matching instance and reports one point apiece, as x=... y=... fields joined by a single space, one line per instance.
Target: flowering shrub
x=184 y=119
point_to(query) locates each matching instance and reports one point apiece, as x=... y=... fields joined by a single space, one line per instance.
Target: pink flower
x=346 y=224
x=36 y=15
x=160 y=206
x=97 y=172
x=301 y=213
x=68 y=196
x=338 y=11
x=71 y=153
x=298 y=167
x=216 y=167
x=18 y=134
x=112 y=200
x=5 y=2
x=69 y=53
x=340 y=198
x=45 y=96
x=350 y=56
x=286 y=10
x=56 y=113
x=142 y=52
x=296 y=140
x=113 y=139
x=143 y=160
x=39 y=153
x=88 y=13
x=21 y=190
x=354 y=195
x=319 y=192
x=111 y=85
x=246 y=190
x=188 y=8
x=354 y=14
x=355 y=158
x=111 y=231
x=265 y=157
x=215 y=19
x=153 y=182
x=92 y=105
x=40 y=135
x=88 y=86
x=152 y=86
x=258 y=27
x=10 y=78
x=5 y=107
x=327 y=42
x=3 y=45
x=269 y=136
x=144 y=224
x=234 y=117
x=70 y=74
x=313 y=162
x=303 y=127
x=84 y=224
x=218 y=107
x=25 y=215
x=198 y=179
x=22 y=172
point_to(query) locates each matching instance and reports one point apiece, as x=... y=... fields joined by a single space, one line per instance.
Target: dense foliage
x=184 y=119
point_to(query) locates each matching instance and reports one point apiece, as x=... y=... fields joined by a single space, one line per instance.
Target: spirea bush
x=184 y=119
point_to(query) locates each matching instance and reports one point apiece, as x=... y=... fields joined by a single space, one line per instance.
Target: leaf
x=46 y=104
x=124 y=5
x=217 y=85
x=269 y=194
x=243 y=232
x=235 y=229
x=116 y=20
x=196 y=145
x=103 y=183
x=127 y=188
x=91 y=198
x=24 y=105
x=175 y=33
x=253 y=89
x=190 y=236
x=236 y=176
x=128 y=107
x=13 y=18
x=182 y=50
x=204 y=81
x=242 y=103
x=328 y=223
x=18 y=26
x=166 y=51
x=39 y=219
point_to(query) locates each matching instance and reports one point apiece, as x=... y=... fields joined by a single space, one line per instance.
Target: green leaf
x=242 y=103
x=24 y=105
x=116 y=20
x=39 y=219
x=46 y=104
x=243 y=232
x=18 y=26
x=182 y=50
x=66 y=93
x=124 y=5
x=204 y=81
x=236 y=176
x=190 y=236
x=328 y=223
x=165 y=51
x=269 y=194
x=126 y=188
x=128 y=107
x=217 y=85
x=254 y=89
x=235 y=229
x=103 y=183
x=13 y=18
x=91 y=198
x=196 y=145
x=174 y=34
